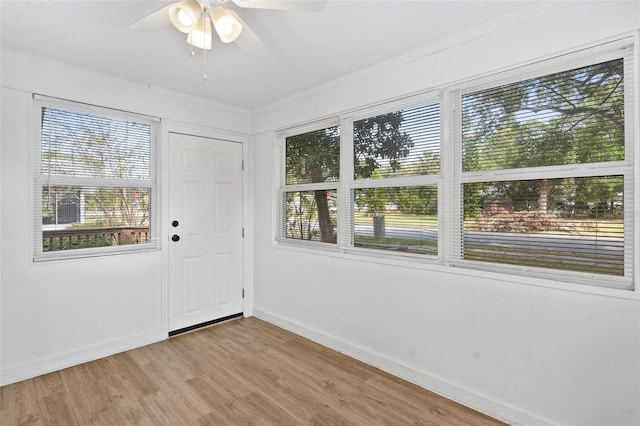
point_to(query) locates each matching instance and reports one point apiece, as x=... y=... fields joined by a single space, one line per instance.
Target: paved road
x=572 y=243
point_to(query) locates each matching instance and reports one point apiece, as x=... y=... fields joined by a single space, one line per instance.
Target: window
x=391 y=188
x=533 y=174
x=94 y=181
x=546 y=173
x=309 y=196
x=394 y=196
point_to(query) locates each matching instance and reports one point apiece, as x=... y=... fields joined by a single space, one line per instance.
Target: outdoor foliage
x=379 y=138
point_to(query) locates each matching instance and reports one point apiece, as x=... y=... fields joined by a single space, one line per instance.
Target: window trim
x=38 y=180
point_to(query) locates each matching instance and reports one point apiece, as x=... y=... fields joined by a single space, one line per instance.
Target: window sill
x=435 y=265
x=92 y=253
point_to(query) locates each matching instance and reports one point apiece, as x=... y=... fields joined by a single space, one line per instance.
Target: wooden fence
x=75 y=238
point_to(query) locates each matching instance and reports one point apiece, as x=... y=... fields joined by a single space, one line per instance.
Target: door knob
x=175 y=237
x=174 y=223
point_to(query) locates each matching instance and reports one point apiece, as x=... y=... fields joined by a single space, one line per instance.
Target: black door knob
x=174 y=223
x=175 y=237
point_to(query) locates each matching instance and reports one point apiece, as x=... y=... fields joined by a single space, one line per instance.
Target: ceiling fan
x=199 y=18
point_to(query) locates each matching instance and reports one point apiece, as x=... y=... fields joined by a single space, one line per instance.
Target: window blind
x=399 y=219
x=546 y=171
x=309 y=196
x=398 y=144
x=580 y=227
x=313 y=157
x=95 y=189
x=571 y=117
x=84 y=145
x=394 y=195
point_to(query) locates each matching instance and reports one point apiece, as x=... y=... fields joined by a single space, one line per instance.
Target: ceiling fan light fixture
x=226 y=23
x=184 y=15
x=184 y=18
x=201 y=34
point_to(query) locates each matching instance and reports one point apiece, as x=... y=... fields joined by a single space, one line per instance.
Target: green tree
x=379 y=138
x=373 y=200
x=421 y=200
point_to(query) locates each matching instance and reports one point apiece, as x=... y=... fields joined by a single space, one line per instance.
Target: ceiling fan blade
x=153 y=21
x=248 y=40
x=303 y=5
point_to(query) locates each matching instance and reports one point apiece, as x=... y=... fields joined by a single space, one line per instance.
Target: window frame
x=598 y=54
x=40 y=180
x=349 y=182
x=281 y=188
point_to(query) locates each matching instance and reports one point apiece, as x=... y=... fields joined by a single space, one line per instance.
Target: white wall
x=524 y=353
x=59 y=313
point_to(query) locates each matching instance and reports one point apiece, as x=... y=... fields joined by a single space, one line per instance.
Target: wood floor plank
x=162 y=409
x=225 y=405
x=85 y=391
x=21 y=406
x=59 y=409
x=304 y=383
x=48 y=384
x=266 y=411
x=137 y=381
x=241 y=372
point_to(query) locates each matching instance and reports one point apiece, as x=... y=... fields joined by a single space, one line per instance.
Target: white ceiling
x=299 y=50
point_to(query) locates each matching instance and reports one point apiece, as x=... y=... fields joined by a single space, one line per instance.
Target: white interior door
x=205 y=237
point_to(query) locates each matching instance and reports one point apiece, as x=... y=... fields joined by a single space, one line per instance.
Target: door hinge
x=243 y=293
x=242 y=232
x=242 y=164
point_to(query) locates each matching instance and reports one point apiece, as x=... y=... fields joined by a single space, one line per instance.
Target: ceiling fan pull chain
x=204 y=63
x=205 y=15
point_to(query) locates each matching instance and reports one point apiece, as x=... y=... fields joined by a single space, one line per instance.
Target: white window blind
x=398 y=144
x=309 y=197
x=547 y=171
x=394 y=195
x=89 y=146
x=398 y=219
x=570 y=117
x=95 y=188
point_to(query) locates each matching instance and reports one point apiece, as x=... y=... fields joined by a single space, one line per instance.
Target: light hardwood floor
x=244 y=371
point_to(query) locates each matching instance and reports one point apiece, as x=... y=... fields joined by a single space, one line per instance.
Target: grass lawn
x=579 y=226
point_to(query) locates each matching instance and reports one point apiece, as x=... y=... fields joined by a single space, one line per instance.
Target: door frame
x=167 y=127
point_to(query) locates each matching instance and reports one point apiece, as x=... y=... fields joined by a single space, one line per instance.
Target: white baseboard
x=58 y=362
x=247 y=311
x=484 y=404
